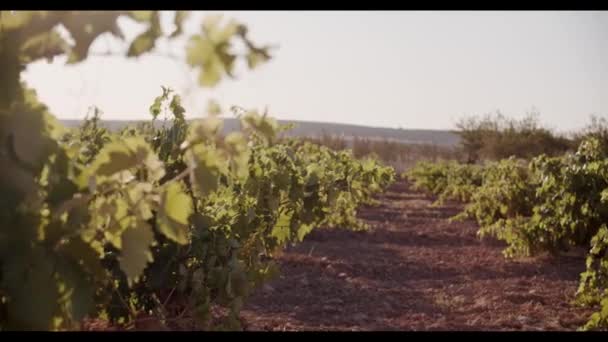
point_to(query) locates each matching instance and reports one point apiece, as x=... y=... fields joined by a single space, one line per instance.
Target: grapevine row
x=120 y=224
x=549 y=204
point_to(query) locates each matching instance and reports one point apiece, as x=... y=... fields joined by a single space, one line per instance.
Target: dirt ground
x=414 y=271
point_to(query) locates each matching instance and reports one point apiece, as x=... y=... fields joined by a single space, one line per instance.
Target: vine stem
x=122 y=300
x=169 y=297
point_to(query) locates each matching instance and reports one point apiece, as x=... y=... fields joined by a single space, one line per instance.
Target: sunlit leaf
x=281 y=230
x=141 y=44
x=135 y=253
x=141 y=16
x=207 y=167
x=176 y=208
x=45 y=45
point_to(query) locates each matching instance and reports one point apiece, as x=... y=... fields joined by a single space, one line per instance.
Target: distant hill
x=315 y=129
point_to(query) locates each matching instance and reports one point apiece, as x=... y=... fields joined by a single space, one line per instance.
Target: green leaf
x=303 y=230
x=31 y=290
x=255 y=58
x=155 y=108
x=45 y=45
x=76 y=292
x=211 y=75
x=121 y=155
x=176 y=107
x=313 y=171
x=281 y=230
x=235 y=143
x=211 y=51
x=213 y=29
x=139 y=196
x=85 y=27
x=30 y=131
x=14 y=179
x=236 y=148
x=267 y=127
x=84 y=255
x=207 y=167
x=204 y=130
x=604 y=196
x=332 y=196
x=113 y=157
x=176 y=208
x=155 y=167
x=141 y=44
x=198 y=51
x=135 y=254
x=141 y=16
x=119 y=158
x=178 y=21
x=120 y=220
x=604 y=310
x=146 y=41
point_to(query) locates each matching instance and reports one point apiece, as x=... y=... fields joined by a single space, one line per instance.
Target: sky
x=394 y=69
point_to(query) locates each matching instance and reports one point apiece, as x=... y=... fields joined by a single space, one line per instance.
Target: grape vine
x=117 y=225
x=549 y=204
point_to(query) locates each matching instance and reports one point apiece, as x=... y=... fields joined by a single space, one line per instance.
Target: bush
x=446 y=179
x=496 y=137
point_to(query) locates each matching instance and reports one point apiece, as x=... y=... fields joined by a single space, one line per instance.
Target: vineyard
x=171 y=224
x=547 y=205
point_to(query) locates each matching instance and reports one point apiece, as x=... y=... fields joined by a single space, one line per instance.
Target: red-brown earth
x=415 y=270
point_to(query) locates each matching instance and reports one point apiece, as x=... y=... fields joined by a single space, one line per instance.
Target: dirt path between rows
x=414 y=271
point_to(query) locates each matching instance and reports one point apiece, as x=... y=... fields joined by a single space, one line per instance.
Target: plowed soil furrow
x=415 y=270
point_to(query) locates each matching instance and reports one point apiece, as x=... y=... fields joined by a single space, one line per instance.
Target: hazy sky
x=391 y=69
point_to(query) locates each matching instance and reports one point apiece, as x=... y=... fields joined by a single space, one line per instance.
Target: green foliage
x=570 y=209
x=550 y=204
x=429 y=176
x=120 y=217
x=175 y=210
x=502 y=204
x=27 y=36
x=211 y=50
x=593 y=288
x=597 y=128
x=446 y=179
x=110 y=222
